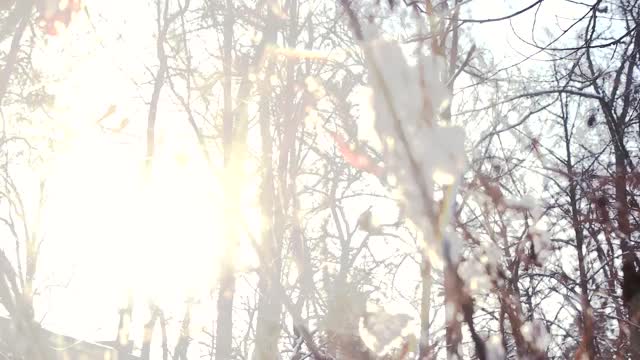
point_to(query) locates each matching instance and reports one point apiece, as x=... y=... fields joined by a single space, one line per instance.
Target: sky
x=101 y=214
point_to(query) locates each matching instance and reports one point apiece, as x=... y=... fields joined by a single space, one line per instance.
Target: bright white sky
x=106 y=229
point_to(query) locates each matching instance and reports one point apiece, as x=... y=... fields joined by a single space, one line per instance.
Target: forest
x=319 y=179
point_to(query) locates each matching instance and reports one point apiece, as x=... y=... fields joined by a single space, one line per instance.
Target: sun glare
x=160 y=235
x=157 y=236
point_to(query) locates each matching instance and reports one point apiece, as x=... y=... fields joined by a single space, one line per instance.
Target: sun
x=114 y=229
x=157 y=234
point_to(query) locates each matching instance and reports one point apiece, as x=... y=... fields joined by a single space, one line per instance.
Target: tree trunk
x=269 y=308
x=587 y=346
x=629 y=259
x=224 y=326
x=145 y=353
x=424 y=348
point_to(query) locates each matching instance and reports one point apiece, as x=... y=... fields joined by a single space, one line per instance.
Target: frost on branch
x=418 y=151
x=535 y=247
x=475 y=276
x=536 y=335
x=495 y=350
x=382 y=331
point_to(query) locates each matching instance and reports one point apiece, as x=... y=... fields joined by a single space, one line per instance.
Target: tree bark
x=424 y=348
x=269 y=307
x=224 y=325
